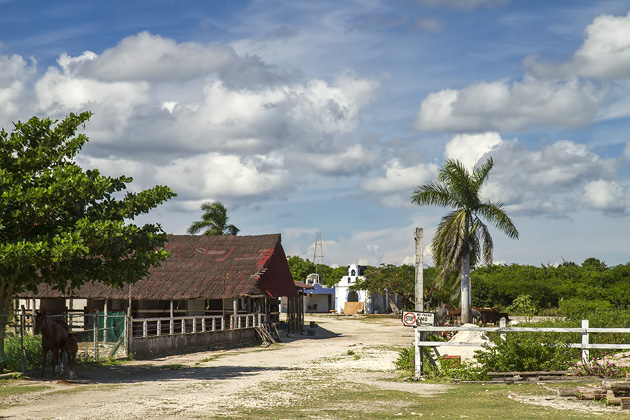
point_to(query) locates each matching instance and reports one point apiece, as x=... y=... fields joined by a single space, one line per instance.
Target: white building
x=359 y=301
x=343 y=294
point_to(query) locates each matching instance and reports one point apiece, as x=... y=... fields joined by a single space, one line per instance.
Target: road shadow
x=124 y=373
x=310 y=332
x=128 y=374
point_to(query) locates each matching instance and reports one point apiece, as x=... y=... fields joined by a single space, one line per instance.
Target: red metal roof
x=210 y=267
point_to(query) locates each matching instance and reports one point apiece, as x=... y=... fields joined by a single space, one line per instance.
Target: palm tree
x=462 y=238
x=215 y=221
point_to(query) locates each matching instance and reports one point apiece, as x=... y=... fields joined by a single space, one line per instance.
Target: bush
x=527 y=352
x=406 y=359
x=601 y=367
x=12 y=349
x=578 y=309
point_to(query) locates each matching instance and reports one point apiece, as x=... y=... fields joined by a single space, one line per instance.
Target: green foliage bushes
x=548 y=285
x=12 y=348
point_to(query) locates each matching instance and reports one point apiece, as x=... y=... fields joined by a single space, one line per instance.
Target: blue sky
x=306 y=117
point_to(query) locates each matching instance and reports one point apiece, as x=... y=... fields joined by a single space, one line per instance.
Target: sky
x=324 y=116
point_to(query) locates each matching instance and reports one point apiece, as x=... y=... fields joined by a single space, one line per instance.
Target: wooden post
x=585 y=352
x=171 y=326
x=235 y=310
x=95 y=335
x=22 y=348
x=419 y=306
x=105 y=311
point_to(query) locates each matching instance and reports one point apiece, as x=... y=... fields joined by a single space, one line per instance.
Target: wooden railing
x=585 y=330
x=156 y=327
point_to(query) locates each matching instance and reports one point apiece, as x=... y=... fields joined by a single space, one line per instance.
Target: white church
x=360 y=301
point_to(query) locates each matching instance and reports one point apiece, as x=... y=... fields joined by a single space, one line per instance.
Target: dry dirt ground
x=213 y=383
x=210 y=383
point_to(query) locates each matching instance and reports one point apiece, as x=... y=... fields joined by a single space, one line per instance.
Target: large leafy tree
x=214 y=221
x=62 y=225
x=462 y=238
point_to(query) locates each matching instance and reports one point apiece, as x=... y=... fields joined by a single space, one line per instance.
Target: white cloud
x=15 y=72
x=545 y=181
x=353 y=160
x=605 y=195
x=470 y=148
x=504 y=105
x=205 y=176
x=147 y=57
x=604 y=55
x=399 y=178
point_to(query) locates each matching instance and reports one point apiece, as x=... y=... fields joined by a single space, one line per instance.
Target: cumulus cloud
x=604 y=54
x=554 y=180
x=469 y=148
x=181 y=114
x=400 y=178
x=504 y=105
x=14 y=74
x=148 y=57
x=605 y=195
x=208 y=175
x=546 y=181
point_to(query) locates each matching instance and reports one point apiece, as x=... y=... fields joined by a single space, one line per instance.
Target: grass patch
x=471 y=401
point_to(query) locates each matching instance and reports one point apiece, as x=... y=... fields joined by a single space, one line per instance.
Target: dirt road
x=212 y=383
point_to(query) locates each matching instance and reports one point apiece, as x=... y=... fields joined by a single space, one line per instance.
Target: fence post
x=95 y=334
x=23 y=352
x=503 y=324
x=585 y=353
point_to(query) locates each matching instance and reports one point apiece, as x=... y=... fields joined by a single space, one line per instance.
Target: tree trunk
x=6 y=294
x=465 y=298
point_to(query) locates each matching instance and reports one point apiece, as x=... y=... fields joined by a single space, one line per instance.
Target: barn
x=211 y=290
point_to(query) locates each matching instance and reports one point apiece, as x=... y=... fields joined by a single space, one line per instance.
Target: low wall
x=148 y=347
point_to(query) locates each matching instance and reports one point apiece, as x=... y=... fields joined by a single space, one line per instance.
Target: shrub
x=523 y=305
x=601 y=367
x=406 y=359
x=12 y=349
x=527 y=352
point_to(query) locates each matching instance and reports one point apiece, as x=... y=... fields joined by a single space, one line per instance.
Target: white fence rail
x=155 y=327
x=585 y=330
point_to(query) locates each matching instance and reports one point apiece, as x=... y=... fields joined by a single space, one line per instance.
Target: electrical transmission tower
x=318 y=253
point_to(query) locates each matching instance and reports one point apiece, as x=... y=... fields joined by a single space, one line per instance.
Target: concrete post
x=419 y=304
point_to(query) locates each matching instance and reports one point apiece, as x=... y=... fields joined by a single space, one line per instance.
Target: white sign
x=413 y=319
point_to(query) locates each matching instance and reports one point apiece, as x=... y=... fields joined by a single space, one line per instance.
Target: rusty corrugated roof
x=210 y=267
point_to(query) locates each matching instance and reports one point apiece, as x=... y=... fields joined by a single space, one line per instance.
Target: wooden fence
x=156 y=327
x=584 y=345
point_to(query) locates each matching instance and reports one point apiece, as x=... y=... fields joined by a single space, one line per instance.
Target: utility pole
x=419 y=359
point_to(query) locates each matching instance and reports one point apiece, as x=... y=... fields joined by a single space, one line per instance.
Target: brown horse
x=71 y=348
x=54 y=337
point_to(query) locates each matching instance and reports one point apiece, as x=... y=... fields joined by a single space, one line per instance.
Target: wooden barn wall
x=148 y=347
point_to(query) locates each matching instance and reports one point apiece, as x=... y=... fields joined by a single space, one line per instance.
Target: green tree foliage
x=549 y=285
x=401 y=280
x=394 y=279
x=300 y=268
x=214 y=221
x=462 y=239
x=62 y=225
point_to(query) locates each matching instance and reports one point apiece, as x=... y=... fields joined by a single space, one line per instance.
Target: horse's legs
x=44 y=352
x=71 y=374
x=55 y=358
x=63 y=358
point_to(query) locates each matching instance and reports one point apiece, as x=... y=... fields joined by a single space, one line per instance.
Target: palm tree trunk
x=465 y=298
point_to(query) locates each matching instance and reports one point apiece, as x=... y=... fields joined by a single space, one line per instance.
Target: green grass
x=10 y=387
x=470 y=401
